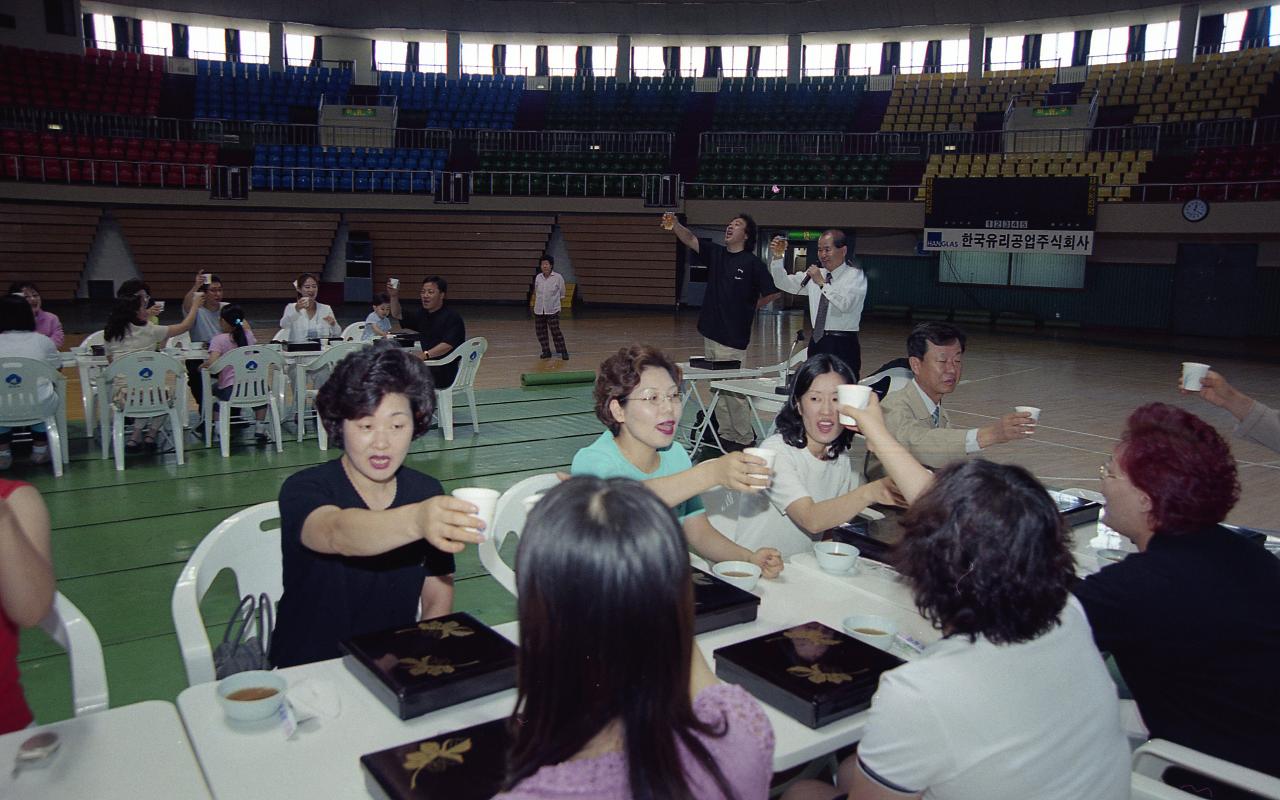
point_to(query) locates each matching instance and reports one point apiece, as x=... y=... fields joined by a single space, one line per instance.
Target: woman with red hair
x=1192 y=618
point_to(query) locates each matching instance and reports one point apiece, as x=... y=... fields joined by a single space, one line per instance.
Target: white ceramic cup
x=767 y=455
x=531 y=501
x=836 y=557
x=159 y=306
x=852 y=394
x=208 y=279
x=485 y=500
x=395 y=282
x=251 y=710
x=1032 y=410
x=1192 y=373
x=742 y=574
x=873 y=629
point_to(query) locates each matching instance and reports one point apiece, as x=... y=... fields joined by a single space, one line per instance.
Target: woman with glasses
x=815 y=484
x=638 y=398
x=1193 y=618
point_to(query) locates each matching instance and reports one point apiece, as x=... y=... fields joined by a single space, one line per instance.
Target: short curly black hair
x=985 y=551
x=362 y=379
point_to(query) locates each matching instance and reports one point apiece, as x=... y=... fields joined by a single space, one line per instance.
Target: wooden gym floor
x=121 y=539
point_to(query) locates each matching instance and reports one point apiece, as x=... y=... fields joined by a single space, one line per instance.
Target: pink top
x=14 y=713
x=50 y=326
x=744 y=754
x=221 y=344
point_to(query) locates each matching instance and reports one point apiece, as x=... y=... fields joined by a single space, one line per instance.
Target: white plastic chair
x=244 y=544
x=89 y=376
x=325 y=363
x=146 y=394
x=354 y=332
x=259 y=381
x=281 y=335
x=1153 y=758
x=468 y=356
x=508 y=518
x=67 y=626
x=20 y=402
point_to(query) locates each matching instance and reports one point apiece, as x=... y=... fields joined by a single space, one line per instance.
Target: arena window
x=390 y=56
x=209 y=43
x=299 y=48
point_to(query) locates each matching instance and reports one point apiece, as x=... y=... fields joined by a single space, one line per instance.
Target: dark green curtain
x=933 y=56
x=1137 y=48
x=842 y=59
x=670 y=62
x=582 y=66
x=1209 y=37
x=317 y=52
x=1257 y=28
x=1080 y=48
x=986 y=55
x=753 y=61
x=232 y=37
x=1031 y=51
x=712 y=63
x=890 y=57
x=541 y=64
x=499 y=59
x=181 y=41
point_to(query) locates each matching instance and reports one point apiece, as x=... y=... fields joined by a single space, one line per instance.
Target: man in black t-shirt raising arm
x=738 y=283
x=439 y=328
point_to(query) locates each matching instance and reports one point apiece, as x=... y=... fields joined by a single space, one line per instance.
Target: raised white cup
x=1192 y=373
x=852 y=394
x=1032 y=410
x=873 y=629
x=395 y=282
x=485 y=500
x=837 y=558
x=767 y=455
x=724 y=571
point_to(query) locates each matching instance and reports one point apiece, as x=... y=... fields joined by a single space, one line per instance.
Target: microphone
x=788 y=375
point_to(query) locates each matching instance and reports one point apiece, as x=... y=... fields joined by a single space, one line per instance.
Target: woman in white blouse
x=307 y=318
x=815 y=486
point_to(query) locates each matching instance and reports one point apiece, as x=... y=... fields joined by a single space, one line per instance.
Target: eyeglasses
x=1104 y=470
x=655 y=400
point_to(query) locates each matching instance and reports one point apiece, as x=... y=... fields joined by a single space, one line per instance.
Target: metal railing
x=797 y=143
x=568 y=184
x=87 y=123
x=105 y=172
x=1230 y=132
x=1064 y=140
x=1235 y=46
x=765 y=191
x=1205 y=190
x=349 y=179
x=419 y=138
x=489 y=141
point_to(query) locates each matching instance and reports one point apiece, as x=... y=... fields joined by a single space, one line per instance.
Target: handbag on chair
x=241 y=649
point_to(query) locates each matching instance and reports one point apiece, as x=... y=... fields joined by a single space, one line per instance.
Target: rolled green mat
x=553 y=378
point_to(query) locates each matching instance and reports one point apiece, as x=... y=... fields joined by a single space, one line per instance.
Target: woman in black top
x=364 y=538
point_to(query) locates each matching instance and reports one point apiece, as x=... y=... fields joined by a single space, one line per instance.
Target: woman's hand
x=768 y=560
x=868 y=421
x=332 y=322
x=448 y=524
x=739 y=472
x=302 y=303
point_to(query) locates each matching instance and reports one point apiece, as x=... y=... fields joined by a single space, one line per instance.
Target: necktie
x=937 y=415
x=820 y=320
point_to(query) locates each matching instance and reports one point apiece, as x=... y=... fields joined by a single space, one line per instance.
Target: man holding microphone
x=836 y=288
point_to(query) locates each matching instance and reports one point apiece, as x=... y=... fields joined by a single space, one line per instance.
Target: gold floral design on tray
x=434 y=666
x=810 y=635
x=435 y=757
x=815 y=674
x=440 y=629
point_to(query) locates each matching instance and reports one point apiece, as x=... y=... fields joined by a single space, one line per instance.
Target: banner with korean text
x=1011 y=215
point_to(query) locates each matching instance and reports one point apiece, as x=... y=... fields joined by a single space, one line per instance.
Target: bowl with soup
x=742 y=574
x=252 y=695
x=836 y=557
x=873 y=629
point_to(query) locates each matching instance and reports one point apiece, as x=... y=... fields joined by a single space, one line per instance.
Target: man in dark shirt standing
x=439 y=328
x=738 y=283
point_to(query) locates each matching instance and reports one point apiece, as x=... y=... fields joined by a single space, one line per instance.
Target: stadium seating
x=603 y=104
x=346 y=169
x=1117 y=172
x=948 y=102
x=68 y=158
x=1215 y=86
x=101 y=81
x=227 y=90
x=476 y=101
x=770 y=104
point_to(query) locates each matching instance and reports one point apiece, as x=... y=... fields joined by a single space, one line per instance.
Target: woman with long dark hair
x=816 y=486
x=308 y=318
x=1013 y=701
x=128 y=330
x=615 y=700
x=235 y=333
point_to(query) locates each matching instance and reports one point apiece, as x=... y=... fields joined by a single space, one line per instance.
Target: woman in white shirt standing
x=815 y=486
x=548 y=291
x=307 y=318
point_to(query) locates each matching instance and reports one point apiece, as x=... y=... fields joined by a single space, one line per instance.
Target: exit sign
x=1054 y=111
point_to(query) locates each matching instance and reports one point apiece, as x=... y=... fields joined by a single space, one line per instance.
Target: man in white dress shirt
x=837 y=289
